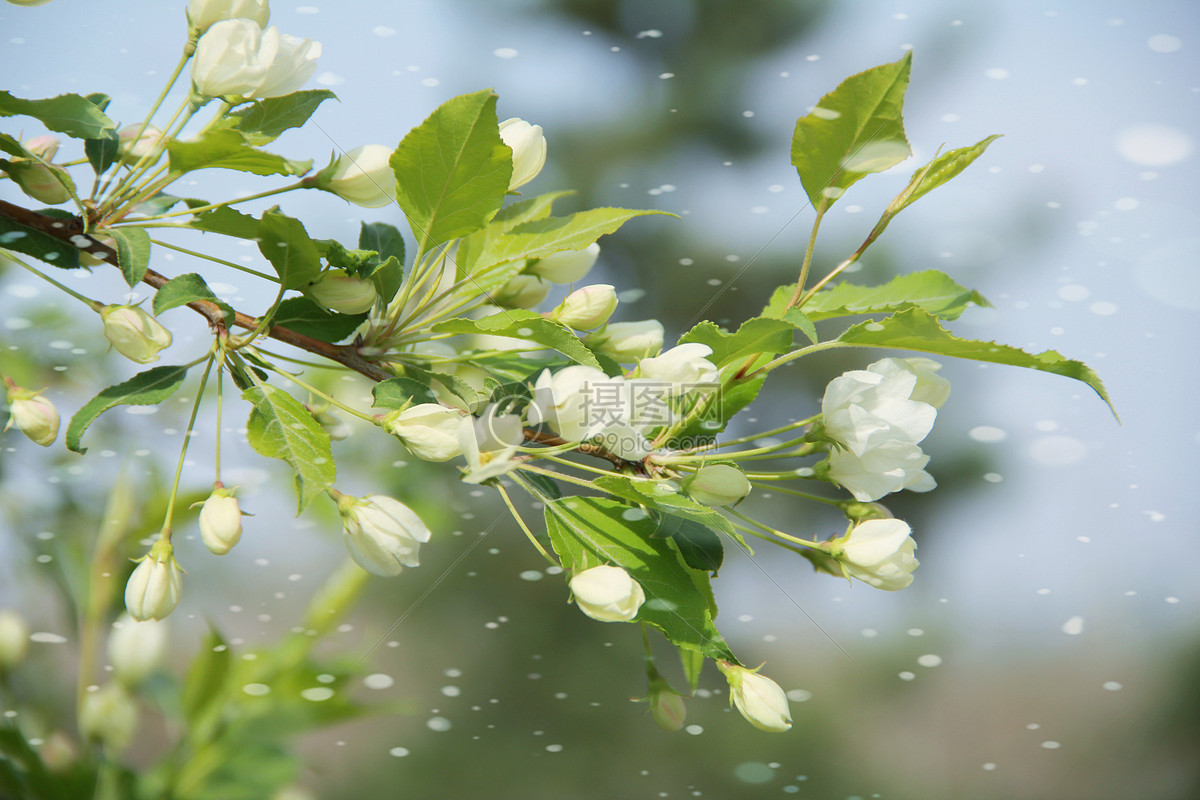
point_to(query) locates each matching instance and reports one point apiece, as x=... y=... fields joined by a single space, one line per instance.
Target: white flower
x=136 y=141
x=607 y=594
x=566 y=266
x=108 y=715
x=220 y=520
x=489 y=442
x=32 y=415
x=521 y=291
x=153 y=589
x=889 y=465
x=569 y=401
x=136 y=648
x=528 y=147
x=134 y=333
x=930 y=387
x=760 y=700
x=203 y=13
x=362 y=176
x=684 y=367
x=718 y=485
x=627 y=341
x=14 y=639
x=878 y=552
x=338 y=292
x=428 y=430
x=382 y=534
x=237 y=57
x=586 y=308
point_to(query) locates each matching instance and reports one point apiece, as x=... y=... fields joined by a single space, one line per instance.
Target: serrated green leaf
x=264 y=121
x=937 y=172
x=144 y=389
x=288 y=247
x=778 y=308
x=719 y=408
x=931 y=290
x=699 y=546
x=528 y=325
x=280 y=427
x=227 y=222
x=227 y=149
x=133 y=252
x=588 y=532
x=102 y=152
x=17 y=237
x=760 y=335
x=542 y=237
x=544 y=485
x=397 y=392
x=916 y=329
x=507 y=218
x=71 y=114
x=304 y=316
x=854 y=130
x=187 y=288
x=452 y=170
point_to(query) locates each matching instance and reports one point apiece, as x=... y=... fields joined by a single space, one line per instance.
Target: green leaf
x=32 y=242
x=540 y=238
x=101 y=152
x=935 y=173
x=777 y=308
x=185 y=289
x=78 y=117
x=304 y=316
x=692 y=662
x=528 y=325
x=719 y=408
x=543 y=484
x=288 y=247
x=760 y=335
x=664 y=498
x=384 y=239
x=280 y=427
x=133 y=252
x=589 y=532
x=452 y=170
x=916 y=329
x=265 y=120
x=397 y=392
x=855 y=130
x=227 y=149
x=144 y=389
x=227 y=222
x=507 y=218
x=933 y=291
x=700 y=547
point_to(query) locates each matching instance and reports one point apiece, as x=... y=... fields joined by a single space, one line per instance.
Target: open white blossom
x=382 y=534
x=428 y=430
x=489 y=442
x=237 y=57
x=878 y=552
x=684 y=367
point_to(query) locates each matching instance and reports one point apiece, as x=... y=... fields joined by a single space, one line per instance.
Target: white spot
x=1073 y=292
x=666 y=76
x=531 y=575
x=996 y=73
x=256 y=689
x=307 y=9
x=653 y=33
x=430 y=82
x=1126 y=204
x=439 y=724
x=1058 y=451
x=1154 y=145
x=1051 y=745
x=929 y=660
x=330 y=79
x=694 y=730
x=1073 y=626
x=451 y=691
x=987 y=434
x=379 y=680
x=505 y=52
x=317 y=694
x=45 y=637
x=989 y=766
x=1111 y=686
x=1103 y=308
x=907 y=676
x=398 y=752
x=383 y=31
x=1164 y=43
x=799 y=695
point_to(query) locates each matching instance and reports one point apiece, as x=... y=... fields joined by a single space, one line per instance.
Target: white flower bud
x=878 y=552
x=529 y=150
x=203 y=13
x=566 y=266
x=759 y=699
x=586 y=308
x=220 y=520
x=683 y=366
x=109 y=716
x=718 y=485
x=362 y=176
x=338 y=292
x=44 y=147
x=153 y=589
x=627 y=341
x=521 y=291
x=14 y=639
x=382 y=534
x=607 y=594
x=32 y=415
x=134 y=333
x=135 y=146
x=237 y=57
x=428 y=430
x=136 y=648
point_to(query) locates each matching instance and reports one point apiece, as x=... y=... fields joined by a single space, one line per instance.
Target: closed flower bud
x=522 y=291
x=529 y=150
x=203 y=13
x=627 y=341
x=382 y=534
x=428 y=430
x=666 y=706
x=566 y=266
x=153 y=589
x=759 y=699
x=718 y=485
x=684 y=366
x=878 y=552
x=14 y=639
x=44 y=147
x=136 y=649
x=362 y=176
x=46 y=183
x=134 y=333
x=134 y=141
x=237 y=57
x=338 y=292
x=108 y=716
x=586 y=308
x=607 y=594
x=32 y=415
x=220 y=520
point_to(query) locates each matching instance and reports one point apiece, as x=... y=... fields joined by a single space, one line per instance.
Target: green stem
x=187 y=437
x=318 y=393
x=803 y=351
x=768 y=529
x=822 y=207
x=549 y=473
x=184 y=250
x=301 y=184
x=515 y=515
x=90 y=303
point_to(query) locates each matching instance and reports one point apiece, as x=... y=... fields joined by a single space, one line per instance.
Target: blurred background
x=1050 y=646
